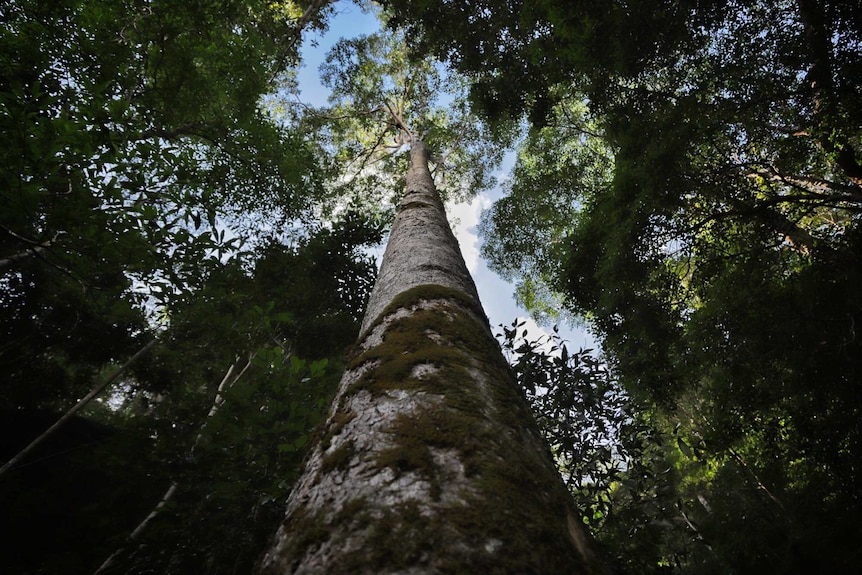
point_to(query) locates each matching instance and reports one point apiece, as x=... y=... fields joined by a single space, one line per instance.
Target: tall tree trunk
x=430 y=461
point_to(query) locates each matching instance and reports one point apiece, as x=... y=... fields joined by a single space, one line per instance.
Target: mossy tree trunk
x=430 y=461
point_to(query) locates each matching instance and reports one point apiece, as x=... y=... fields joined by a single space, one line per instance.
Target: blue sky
x=495 y=293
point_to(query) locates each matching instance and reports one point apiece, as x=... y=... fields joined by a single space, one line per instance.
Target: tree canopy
x=135 y=149
x=381 y=96
x=688 y=184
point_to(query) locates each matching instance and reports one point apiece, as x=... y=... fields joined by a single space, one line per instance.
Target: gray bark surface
x=429 y=461
x=422 y=248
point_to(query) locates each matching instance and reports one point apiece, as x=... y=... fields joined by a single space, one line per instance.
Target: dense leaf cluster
x=614 y=459
x=235 y=452
x=133 y=142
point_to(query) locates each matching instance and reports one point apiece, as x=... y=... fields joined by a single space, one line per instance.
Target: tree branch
x=36 y=247
x=815 y=188
x=77 y=407
x=396 y=116
x=29 y=252
x=218 y=400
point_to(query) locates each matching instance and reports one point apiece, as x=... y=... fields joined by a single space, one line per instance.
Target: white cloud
x=464 y=218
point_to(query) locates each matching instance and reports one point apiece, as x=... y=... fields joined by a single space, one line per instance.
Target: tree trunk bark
x=429 y=461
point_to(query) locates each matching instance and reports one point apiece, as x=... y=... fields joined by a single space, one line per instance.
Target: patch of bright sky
x=496 y=294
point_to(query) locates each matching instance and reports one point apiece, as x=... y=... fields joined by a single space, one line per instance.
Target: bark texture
x=422 y=248
x=429 y=461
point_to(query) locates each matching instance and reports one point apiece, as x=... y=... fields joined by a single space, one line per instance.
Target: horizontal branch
x=29 y=252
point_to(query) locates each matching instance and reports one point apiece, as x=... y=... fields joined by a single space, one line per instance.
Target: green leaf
x=297 y=365
x=683 y=446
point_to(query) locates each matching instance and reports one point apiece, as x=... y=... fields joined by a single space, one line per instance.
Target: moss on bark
x=483 y=492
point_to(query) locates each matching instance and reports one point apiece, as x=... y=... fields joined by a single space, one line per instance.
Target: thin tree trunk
x=430 y=461
x=133 y=536
x=95 y=392
x=218 y=400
